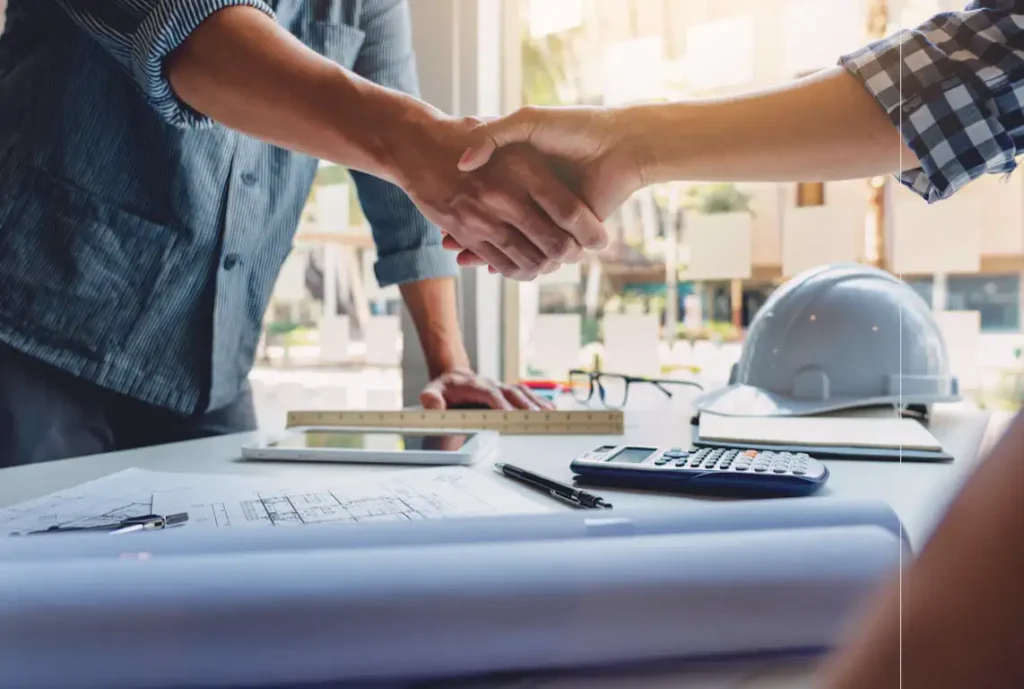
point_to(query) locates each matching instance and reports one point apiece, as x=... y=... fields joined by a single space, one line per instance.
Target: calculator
x=710 y=470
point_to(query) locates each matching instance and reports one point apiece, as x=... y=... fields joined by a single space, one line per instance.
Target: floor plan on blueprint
x=408 y=495
x=77 y=511
x=222 y=501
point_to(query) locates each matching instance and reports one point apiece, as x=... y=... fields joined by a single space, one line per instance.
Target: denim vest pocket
x=75 y=271
x=334 y=40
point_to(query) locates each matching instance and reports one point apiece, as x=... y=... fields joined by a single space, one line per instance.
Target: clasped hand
x=515 y=214
x=599 y=166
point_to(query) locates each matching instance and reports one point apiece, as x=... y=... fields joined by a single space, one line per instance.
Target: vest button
x=231 y=260
x=249 y=179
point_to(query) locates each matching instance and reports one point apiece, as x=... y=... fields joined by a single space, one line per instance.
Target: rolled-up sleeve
x=408 y=245
x=140 y=34
x=954 y=87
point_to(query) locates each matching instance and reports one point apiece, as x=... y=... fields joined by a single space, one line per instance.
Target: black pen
x=560 y=491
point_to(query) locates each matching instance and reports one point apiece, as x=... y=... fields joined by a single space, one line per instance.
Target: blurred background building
x=691 y=264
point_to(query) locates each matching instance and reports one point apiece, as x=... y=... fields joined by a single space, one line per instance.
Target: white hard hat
x=837 y=337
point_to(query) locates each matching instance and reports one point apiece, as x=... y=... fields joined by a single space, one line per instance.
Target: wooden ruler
x=507 y=422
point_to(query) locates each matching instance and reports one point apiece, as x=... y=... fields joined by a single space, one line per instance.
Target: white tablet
x=375 y=446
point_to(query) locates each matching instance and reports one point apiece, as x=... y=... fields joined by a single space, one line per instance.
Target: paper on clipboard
x=821 y=431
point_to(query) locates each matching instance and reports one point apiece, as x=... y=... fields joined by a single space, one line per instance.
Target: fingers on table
x=525 y=398
x=518 y=398
x=480 y=393
x=433 y=398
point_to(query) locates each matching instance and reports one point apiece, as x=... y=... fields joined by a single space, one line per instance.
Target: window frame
x=458 y=44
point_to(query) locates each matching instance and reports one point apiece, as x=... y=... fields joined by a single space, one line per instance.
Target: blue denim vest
x=140 y=254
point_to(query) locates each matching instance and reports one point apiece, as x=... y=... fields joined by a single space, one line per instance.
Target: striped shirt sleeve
x=140 y=34
x=955 y=88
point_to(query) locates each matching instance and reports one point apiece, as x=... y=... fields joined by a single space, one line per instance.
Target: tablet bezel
x=480 y=443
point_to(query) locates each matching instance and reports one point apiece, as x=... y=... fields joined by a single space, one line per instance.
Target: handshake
x=525 y=193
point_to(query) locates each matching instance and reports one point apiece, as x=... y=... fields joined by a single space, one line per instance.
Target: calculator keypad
x=714 y=470
x=740 y=461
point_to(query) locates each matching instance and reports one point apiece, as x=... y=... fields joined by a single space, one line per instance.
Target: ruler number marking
x=520 y=421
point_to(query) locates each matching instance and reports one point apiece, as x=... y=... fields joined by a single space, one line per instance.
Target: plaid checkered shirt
x=955 y=87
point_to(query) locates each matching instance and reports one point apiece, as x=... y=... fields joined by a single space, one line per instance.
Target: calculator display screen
x=633 y=455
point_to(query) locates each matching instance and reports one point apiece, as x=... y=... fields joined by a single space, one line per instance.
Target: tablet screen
x=368 y=440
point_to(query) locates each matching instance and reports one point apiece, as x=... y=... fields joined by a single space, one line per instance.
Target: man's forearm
x=433 y=306
x=240 y=68
x=245 y=71
x=824 y=127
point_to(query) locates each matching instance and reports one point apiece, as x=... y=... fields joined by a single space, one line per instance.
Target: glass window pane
x=996 y=297
x=923 y=286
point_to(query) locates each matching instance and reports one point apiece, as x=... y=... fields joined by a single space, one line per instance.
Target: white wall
x=718 y=246
x=936 y=238
x=821 y=234
x=1002 y=220
x=778 y=227
x=766 y=203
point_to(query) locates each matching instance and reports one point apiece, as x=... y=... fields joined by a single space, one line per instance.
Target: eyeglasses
x=613 y=388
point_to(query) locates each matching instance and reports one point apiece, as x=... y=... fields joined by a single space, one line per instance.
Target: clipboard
x=825 y=452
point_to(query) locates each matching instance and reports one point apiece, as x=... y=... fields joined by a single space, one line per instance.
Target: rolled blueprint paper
x=697 y=517
x=437 y=611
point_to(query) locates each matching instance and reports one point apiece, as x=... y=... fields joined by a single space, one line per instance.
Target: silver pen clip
x=563 y=498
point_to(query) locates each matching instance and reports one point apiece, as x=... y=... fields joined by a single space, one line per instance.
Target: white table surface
x=918 y=492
